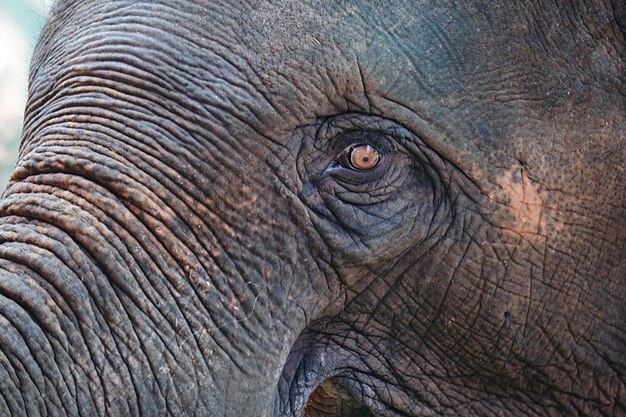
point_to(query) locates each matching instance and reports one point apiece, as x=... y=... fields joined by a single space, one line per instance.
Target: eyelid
x=355 y=137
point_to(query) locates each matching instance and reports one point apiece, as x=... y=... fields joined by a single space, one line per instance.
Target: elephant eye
x=361 y=157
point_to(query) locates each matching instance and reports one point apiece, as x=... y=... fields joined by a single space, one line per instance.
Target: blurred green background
x=21 y=22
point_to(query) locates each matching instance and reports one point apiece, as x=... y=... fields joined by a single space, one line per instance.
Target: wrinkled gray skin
x=181 y=238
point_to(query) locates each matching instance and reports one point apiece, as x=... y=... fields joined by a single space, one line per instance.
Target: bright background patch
x=20 y=24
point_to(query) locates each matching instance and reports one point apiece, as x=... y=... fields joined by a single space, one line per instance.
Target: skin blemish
x=516 y=176
x=518 y=334
x=525 y=200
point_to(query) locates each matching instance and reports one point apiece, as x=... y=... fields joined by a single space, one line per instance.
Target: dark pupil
x=365 y=159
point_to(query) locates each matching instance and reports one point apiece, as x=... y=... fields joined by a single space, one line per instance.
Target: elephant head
x=319 y=209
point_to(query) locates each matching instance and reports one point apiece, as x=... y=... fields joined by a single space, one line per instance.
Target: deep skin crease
x=179 y=237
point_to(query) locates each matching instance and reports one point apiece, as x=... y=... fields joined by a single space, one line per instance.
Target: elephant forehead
x=491 y=87
x=306 y=58
x=482 y=83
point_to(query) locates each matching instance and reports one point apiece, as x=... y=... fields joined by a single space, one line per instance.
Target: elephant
x=316 y=208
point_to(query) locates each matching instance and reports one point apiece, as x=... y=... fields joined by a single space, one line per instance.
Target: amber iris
x=364 y=157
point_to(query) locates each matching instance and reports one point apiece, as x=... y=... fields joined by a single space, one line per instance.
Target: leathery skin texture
x=319 y=209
